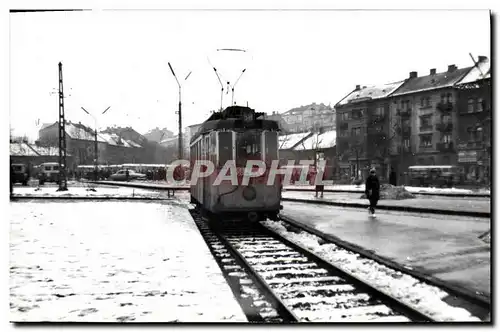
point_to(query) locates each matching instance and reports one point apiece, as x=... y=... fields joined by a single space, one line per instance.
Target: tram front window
x=248 y=147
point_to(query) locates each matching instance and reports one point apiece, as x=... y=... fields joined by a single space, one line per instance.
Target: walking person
x=372 y=190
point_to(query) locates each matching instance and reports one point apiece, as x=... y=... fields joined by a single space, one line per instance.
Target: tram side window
x=248 y=147
x=271 y=142
x=225 y=147
x=213 y=147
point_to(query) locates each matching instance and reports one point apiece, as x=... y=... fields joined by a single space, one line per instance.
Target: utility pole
x=180 y=154
x=63 y=185
x=96 y=151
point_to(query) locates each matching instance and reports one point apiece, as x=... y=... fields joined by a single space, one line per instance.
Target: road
x=446 y=247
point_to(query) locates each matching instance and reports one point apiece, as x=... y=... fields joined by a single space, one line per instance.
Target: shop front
x=475 y=165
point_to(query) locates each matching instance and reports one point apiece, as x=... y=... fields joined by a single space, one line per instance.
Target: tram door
x=225 y=151
x=206 y=180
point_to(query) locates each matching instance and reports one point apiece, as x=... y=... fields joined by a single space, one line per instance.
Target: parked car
x=49 y=172
x=122 y=176
x=21 y=174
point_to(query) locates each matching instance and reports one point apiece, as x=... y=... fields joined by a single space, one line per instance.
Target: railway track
x=276 y=280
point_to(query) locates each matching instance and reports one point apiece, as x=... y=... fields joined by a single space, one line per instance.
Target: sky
x=119 y=58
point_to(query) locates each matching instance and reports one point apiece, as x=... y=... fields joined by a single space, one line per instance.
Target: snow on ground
x=419 y=295
x=88 y=191
x=113 y=261
x=361 y=188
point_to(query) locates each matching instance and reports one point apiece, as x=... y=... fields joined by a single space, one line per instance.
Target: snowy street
x=469 y=204
x=113 y=262
x=447 y=247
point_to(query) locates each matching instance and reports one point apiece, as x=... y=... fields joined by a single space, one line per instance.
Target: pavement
x=445 y=204
x=442 y=246
x=113 y=261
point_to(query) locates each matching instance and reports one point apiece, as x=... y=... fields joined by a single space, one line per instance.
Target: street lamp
x=95 y=140
x=180 y=108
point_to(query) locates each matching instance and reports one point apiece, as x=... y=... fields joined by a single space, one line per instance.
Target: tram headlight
x=249 y=193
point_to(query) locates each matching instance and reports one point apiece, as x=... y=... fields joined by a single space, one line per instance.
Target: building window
x=446 y=119
x=443 y=98
x=475 y=134
x=345 y=116
x=356 y=131
x=426 y=140
x=470 y=105
x=425 y=102
x=379 y=111
x=480 y=104
x=406 y=142
x=426 y=121
x=358 y=114
x=449 y=97
x=447 y=138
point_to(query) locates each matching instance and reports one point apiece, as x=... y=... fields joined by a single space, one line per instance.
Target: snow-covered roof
x=81 y=132
x=289 y=141
x=113 y=139
x=21 y=149
x=479 y=72
x=371 y=92
x=325 y=140
x=47 y=150
x=131 y=143
x=431 y=82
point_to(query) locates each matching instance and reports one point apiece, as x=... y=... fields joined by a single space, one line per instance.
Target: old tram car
x=236 y=134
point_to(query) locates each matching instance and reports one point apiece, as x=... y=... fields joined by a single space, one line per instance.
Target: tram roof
x=233 y=118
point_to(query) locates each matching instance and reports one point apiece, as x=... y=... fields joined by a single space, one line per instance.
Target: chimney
x=413 y=74
x=433 y=71
x=482 y=58
x=452 y=68
x=358 y=87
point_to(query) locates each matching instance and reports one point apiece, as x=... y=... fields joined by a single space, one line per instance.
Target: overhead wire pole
x=180 y=153
x=96 y=151
x=63 y=184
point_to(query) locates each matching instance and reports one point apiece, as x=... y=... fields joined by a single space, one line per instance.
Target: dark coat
x=373 y=184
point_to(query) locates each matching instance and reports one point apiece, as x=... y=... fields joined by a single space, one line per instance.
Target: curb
x=87 y=198
x=141 y=186
x=394 y=208
x=414 y=193
x=478 y=299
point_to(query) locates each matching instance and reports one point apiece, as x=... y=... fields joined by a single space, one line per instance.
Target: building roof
x=370 y=92
x=79 y=131
x=22 y=149
x=291 y=140
x=431 y=82
x=317 y=108
x=114 y=139
x=324 y=140
x=47 y=150
x=477 y=73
